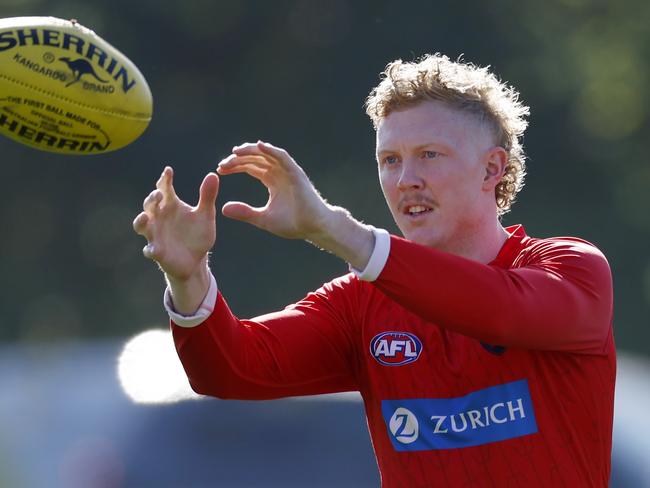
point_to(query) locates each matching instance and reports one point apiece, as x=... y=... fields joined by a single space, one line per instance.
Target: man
x=485 y=357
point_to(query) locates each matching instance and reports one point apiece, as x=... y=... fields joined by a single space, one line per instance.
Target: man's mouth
x=415 y=210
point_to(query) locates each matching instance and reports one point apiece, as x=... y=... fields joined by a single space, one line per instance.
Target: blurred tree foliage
x=296 y=73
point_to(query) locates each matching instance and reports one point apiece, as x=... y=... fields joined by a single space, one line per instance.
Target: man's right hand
x=179 y=237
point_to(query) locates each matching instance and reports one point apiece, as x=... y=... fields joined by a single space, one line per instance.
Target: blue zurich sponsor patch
x=493 y=414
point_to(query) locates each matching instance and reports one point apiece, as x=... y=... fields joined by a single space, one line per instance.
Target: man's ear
x=495 y=160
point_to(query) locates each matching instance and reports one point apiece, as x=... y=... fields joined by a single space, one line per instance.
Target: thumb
x=242 y=211
x=208 y=192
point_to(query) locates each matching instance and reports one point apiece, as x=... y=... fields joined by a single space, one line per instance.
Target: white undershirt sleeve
x=204 y=311
x=378 y=257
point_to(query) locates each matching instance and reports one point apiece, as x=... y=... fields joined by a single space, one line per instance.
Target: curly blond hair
x=468 y=88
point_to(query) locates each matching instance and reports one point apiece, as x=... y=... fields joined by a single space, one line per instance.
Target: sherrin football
x=65 y=89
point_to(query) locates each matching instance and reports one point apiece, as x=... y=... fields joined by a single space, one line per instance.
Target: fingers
x=234 y=161
x=242 y=211
x=149 y=252
x=143 y=224
x=152 y=202
x=164 y=192
x=247 y=148
x=255 y=166
x=276 y=154
x=140 y=224
x=249 y=169
x=166 y=183
x=208 y=193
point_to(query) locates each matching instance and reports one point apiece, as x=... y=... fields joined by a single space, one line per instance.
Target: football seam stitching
x=64 y=99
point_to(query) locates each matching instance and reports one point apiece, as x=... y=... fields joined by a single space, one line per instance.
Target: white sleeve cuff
x=378 y=257
x=204 y=311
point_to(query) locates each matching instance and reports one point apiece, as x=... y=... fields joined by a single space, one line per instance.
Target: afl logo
x=395 y=348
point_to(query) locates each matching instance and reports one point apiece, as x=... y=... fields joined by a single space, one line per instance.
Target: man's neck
x=483 y=245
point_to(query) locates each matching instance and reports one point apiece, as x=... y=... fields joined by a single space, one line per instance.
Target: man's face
x=434 y=169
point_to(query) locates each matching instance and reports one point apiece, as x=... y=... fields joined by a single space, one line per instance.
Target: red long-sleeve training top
x=472 y=375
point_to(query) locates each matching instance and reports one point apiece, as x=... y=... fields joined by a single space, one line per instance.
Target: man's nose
x=410 y=177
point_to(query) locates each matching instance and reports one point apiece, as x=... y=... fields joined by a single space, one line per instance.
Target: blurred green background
x=296 y=73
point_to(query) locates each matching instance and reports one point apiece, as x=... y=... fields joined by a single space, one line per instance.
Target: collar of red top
x=516 y=236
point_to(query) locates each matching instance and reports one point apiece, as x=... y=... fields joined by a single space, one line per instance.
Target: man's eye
x=390 y=159
x=430 y=154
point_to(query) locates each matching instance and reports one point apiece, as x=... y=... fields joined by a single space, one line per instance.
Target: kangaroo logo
x=80 y=67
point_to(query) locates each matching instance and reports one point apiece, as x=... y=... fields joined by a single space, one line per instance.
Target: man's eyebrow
x=387 y=149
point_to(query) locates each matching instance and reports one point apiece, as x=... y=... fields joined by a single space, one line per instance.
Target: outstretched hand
x=178 y=235
x=294 y=210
